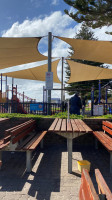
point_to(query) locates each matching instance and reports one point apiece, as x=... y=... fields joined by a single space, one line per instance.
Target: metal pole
x=62 y=81
x=106 y=96
x=106 y=99
x=99 y=91
x=1 y=83
x=6 y=86
x=6 y=95
x=49 y=69
x=12 y=95
x=68 y=111
x=92 y=100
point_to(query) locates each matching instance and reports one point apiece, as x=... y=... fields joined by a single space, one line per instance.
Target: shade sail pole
x=49 y=69
x=62 y=82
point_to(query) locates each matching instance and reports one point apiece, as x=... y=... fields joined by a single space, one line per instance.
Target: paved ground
x=49 y=179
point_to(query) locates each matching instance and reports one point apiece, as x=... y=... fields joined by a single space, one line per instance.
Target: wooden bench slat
x=23 y=134
x=58 y=125
x=10 y=129
x=7 y=138
x=4 y=145
x=20 y=146
x=80 y=127
x=52 y=127
x=107 y=123
x=87 y=128
x=104 y=140
x=108 y=130
x=22 y=128
x=87 y=190
x=63 y=125
x=74 y=126
x=69 y=126
x=35 y=141
x=103 y=187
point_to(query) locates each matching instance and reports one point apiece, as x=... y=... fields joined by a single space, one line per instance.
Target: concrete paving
x=49 y=179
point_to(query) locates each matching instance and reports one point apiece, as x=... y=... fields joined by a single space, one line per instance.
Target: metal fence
x=26 y=108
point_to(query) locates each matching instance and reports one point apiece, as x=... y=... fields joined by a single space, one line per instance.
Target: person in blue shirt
x=75 y=104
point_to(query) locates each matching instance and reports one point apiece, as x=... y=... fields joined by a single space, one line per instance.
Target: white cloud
x=55 y=2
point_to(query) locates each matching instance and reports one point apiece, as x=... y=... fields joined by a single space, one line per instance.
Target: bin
x=83 y=164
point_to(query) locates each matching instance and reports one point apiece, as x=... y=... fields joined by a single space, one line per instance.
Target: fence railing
x=42 y=108
x=30 y=108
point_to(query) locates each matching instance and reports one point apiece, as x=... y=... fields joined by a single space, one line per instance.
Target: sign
x=98 y=110
x=37 y=106
x=49 y=80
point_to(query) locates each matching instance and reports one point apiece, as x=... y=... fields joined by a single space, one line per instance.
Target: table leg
x=28 y=161
x=69 y=145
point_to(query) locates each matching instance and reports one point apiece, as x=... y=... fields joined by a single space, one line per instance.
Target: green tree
x=84 y=87
x=95 y=13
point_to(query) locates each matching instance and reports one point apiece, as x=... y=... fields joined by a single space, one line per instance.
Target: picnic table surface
x=71 y=125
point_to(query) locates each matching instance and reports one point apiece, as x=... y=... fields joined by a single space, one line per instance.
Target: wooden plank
x=64 y=125
x=108 y=130
x=87 y=190
x=22 y=128
x=52 y=127
x=107 y=123
x=22 y=135
x=4 y=145
x=69 y=126
x=35 y=141
x=58 y=125
x=74 y=126
x=20 y=147
x=10 y=129
x=7 y=138
x=1 y=141
x=86 y=127
x=104 y=139
x=80 y=127
x=103 y=187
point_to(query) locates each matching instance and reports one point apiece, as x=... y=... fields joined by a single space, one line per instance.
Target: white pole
x=68 y=111
x=62 y=81
x=49 y=69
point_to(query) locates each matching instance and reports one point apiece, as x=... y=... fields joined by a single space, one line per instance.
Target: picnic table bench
x=103 y=188
x=22 y=138
x=105 y=137
x=69 y=129
x=87 y=189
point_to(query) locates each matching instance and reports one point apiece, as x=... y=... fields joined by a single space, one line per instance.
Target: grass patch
x=62 y=115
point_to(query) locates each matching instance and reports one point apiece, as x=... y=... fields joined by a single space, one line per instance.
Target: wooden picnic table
x=69 y=129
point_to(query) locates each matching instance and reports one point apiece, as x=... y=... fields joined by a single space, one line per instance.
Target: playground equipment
x=16 y=100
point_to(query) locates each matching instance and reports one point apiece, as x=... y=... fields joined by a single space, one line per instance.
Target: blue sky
x=19 y=10
x=33 y=18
